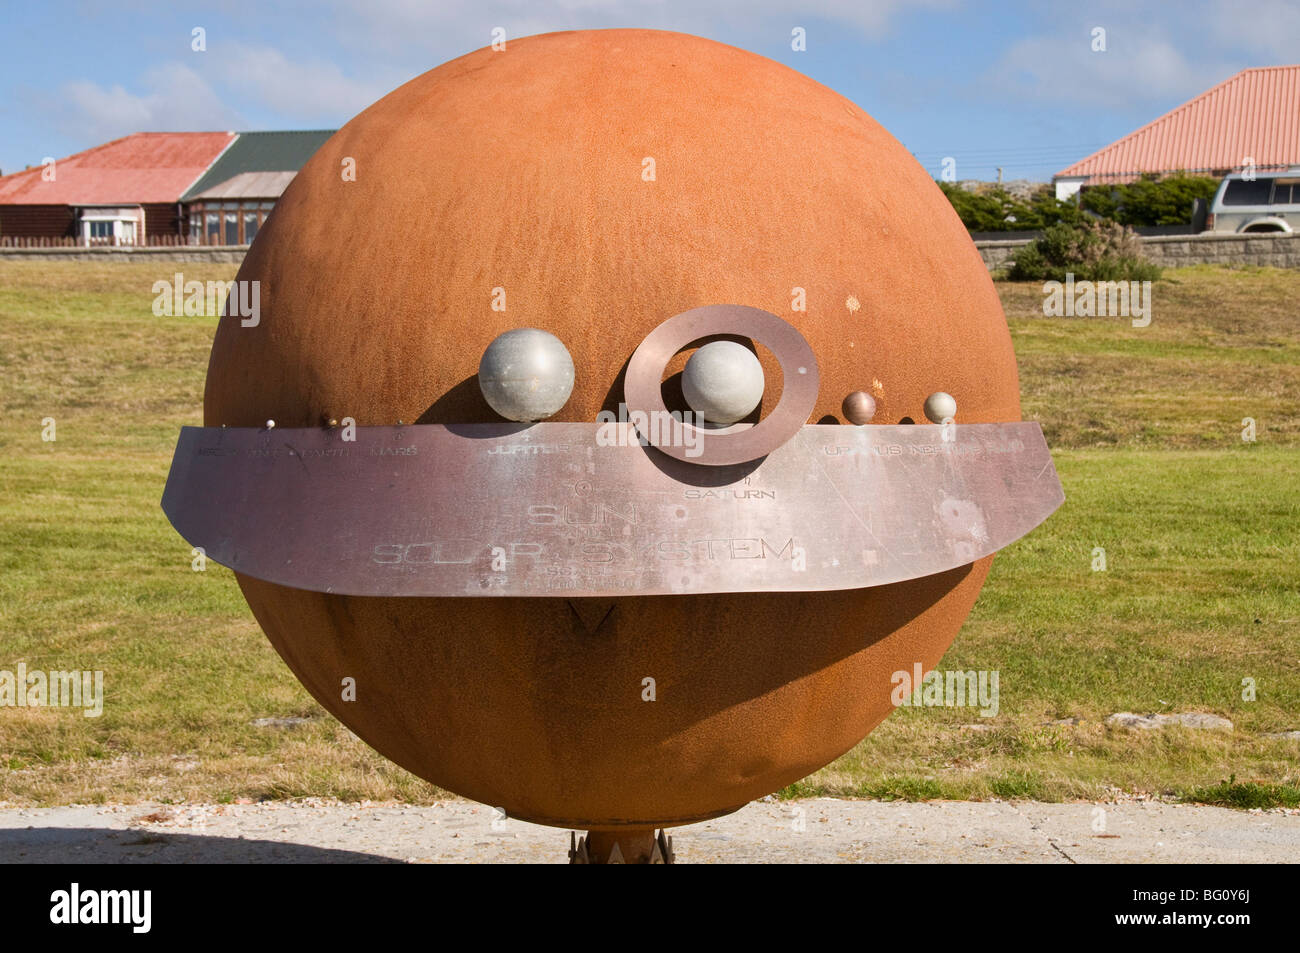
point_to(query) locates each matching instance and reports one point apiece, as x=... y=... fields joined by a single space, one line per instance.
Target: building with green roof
x=229 y=202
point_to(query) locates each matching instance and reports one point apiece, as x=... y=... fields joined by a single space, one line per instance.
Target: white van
x=1266 y=202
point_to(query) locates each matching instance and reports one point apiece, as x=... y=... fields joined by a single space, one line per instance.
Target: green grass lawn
x=1201 y=533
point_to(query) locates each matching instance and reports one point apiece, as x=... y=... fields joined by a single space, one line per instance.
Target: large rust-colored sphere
x=606 y=181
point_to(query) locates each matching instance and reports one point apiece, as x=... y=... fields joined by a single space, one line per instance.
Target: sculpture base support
x=622 y=846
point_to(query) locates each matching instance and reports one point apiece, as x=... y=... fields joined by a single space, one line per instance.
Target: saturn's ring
x=738 y=443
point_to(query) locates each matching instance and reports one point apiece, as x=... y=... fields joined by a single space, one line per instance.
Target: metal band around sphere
x=738 y=443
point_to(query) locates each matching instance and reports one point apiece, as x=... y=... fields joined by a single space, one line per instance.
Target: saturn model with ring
x=614 y=501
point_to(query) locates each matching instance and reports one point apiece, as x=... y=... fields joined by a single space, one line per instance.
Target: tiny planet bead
x=859 y=407
x=939 y=407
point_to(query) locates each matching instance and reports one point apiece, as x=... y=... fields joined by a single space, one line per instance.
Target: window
x=1285 y=192
x=111 y=226
x=227 y=223
x=1241 y=192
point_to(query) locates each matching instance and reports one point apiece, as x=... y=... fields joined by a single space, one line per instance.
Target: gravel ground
x=821 y=830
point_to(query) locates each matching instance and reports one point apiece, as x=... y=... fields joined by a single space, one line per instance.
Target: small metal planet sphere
x=723 y=382
x=526 y=374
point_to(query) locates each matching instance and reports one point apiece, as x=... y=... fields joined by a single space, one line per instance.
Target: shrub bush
x=996 y=210
x=1091 y=250
x=1149 y=201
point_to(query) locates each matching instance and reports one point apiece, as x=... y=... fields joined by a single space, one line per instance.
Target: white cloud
x=1270 y=27
x=464 y=25
x=305 y=91
x=175 y=98
x=1157 y=54
x=391 y=41
x=242 y=80
x=1063 y=68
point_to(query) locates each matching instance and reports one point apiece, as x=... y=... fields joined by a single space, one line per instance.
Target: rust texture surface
x=513 y=189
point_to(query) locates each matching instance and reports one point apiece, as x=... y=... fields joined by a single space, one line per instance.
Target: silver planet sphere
x=939 y=407
x=723 y=382
x=526 y=374
x=859 y=407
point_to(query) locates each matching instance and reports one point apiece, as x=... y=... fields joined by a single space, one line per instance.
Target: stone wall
x=1174 y=251
x=1168 y=251
x=997 y=255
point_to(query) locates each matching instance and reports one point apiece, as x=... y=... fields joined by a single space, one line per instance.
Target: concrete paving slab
x=818 y=830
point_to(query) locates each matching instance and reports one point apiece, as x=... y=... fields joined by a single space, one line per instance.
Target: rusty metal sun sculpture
x=600 y=487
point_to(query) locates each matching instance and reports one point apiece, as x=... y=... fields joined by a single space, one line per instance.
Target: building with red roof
x=123 y=192
x=1251 y=120
x=151 y=188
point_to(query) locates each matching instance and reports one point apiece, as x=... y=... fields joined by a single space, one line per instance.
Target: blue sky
x=1013 y=84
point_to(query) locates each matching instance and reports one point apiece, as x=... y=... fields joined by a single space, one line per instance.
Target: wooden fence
x=72 y=241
